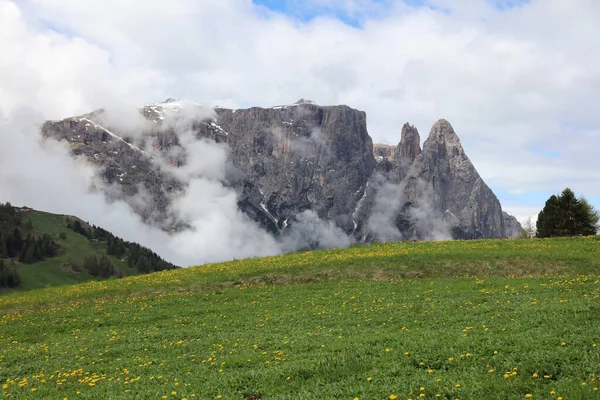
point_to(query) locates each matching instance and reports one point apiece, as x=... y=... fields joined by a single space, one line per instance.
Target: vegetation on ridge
x=39 y=249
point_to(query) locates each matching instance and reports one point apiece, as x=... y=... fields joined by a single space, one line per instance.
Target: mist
x=42 y=174
x=391 y=199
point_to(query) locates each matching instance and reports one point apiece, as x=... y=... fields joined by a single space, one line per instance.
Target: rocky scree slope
x=285 y=160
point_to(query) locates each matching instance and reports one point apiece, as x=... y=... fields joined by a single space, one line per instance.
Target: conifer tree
x=567 y=215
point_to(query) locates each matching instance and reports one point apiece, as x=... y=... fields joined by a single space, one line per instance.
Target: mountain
x=39 y=249
x=285 y=161
x=438 y=186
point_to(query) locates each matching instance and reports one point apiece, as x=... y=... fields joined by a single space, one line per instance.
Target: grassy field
x=505 y=319
x=58 y=270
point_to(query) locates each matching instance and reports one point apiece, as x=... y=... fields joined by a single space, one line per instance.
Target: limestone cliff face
x=512 y=225
x=456 y=185
x=384 y=152
x=287 y=159
x=409 y=149
x=129 y=168
x=439 y=192
x=299 y=157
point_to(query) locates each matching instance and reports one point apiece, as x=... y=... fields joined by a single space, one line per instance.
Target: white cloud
x=507 y=80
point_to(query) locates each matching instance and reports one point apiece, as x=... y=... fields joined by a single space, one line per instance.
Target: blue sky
x=306 y=10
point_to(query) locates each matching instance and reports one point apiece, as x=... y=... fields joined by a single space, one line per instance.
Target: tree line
x=563 y=215
x=139 y=257
x=17 y=242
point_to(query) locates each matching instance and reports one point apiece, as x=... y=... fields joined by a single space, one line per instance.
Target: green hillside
x=489 y=319
x=59 y=270
x=70 y=265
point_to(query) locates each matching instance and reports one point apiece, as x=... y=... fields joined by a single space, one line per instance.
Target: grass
x=471 y=320
x=59 y=270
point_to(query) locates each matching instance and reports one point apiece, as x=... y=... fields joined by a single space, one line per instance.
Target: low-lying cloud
x=41 y=173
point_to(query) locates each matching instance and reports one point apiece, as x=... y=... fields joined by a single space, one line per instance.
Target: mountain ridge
x=287 y=160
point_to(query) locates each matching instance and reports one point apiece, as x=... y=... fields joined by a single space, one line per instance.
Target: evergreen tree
x=91 y=264
x=105 y=267
x=2 y=276
x=588 y=218
x=566 y=215
x=9 y=277
x=3 y=249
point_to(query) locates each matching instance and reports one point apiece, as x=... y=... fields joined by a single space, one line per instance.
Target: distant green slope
x=60 y=270
x=69 y=266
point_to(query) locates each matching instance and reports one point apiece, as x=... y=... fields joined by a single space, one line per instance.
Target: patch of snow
x=113 y=135
x=264 y=207
x=219 y=128
x=360 y=202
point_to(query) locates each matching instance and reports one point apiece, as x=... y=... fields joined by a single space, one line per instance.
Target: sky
x=518 y=80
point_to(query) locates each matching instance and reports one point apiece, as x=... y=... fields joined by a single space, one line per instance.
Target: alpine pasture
x=486 y=319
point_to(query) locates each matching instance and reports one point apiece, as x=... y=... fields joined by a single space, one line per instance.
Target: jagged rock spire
x=409 y=147
x=442 y=133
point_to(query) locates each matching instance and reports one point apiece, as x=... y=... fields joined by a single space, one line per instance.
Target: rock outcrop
x=512 y=226
x=285 y=160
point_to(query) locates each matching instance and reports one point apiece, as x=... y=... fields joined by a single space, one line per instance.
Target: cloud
x=42 y=174
x=508 y=78
x=48 y=178
x=309 y=232
x=420 y=218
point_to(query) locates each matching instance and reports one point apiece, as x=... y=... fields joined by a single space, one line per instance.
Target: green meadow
x=487 y=319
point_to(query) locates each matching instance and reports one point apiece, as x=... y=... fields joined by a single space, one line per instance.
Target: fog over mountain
x=517 y=80
x=216 y=183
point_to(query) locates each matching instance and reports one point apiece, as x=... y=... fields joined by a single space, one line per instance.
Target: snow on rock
x=112 y=134
x=218 y=128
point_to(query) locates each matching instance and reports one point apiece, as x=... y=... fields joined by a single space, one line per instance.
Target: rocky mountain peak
x=442 y=133
x=409 y=147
